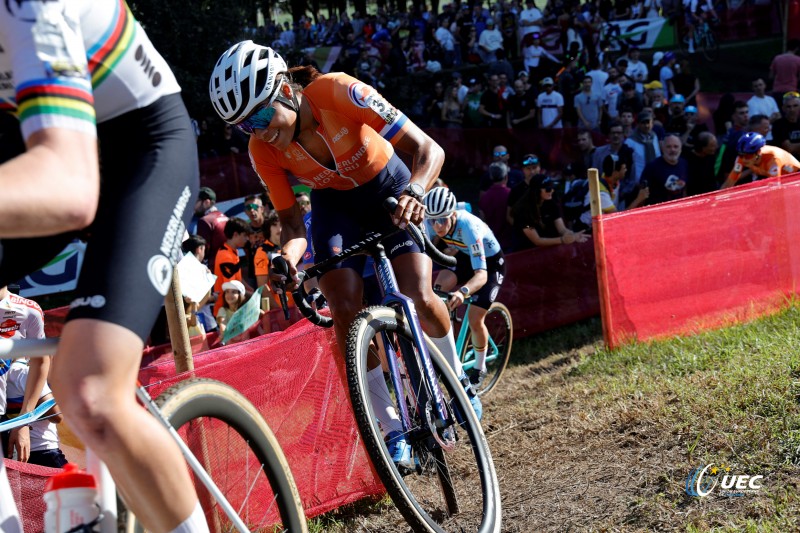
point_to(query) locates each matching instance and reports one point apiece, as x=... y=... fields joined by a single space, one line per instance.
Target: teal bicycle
x=501 y=332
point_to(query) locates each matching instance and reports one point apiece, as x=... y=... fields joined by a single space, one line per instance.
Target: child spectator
x=227 y=266
x=232 y=299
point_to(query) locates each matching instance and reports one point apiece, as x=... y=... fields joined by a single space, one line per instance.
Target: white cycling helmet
x=439 y=202
x=245 y=76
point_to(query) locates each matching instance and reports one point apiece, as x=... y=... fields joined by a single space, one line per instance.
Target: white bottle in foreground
x=70 y=498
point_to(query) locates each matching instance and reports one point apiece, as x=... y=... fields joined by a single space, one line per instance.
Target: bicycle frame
x=433 y=398
x=464 y=331
x=107 y=494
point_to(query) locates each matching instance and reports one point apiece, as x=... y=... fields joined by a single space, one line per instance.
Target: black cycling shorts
x=149 y=176
x=343 y=218
x=495 y=270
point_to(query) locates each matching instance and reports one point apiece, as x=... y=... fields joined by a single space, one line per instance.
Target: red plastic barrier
x=549 y=287
x=701 y=262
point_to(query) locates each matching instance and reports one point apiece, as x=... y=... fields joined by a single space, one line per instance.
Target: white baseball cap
x=233 y=285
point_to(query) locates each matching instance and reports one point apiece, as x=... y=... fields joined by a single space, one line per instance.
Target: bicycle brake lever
x=281 y=268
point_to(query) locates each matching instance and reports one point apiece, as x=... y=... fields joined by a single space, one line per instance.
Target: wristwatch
x=415 y=190
x=465 y=291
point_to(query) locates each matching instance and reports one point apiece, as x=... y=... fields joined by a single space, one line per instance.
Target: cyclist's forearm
x=477 y=281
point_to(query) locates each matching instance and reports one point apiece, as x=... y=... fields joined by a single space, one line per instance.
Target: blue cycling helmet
x=750 y=143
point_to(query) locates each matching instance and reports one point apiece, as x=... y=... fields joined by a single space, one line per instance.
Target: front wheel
x=453 y=489
x=501 y=331
x=238 y=450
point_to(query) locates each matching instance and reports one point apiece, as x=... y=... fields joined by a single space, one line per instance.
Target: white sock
x=447 y=345
x=9 y=516
x=196 y=523
x=382 y=401
x=480 y=358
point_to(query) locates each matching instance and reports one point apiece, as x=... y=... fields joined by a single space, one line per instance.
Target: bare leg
x=94 y=375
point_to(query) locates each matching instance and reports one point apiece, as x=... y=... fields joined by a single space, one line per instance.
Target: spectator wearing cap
x=630 y=99
x=694 y=128
x=493 y=203
x=636 y=69
x=490 y=43
x=472 y=103
x=551 y=106
x=785 y=69
x=210 y=224
x=588 y=107
x=532 y=54
x=667 y=175
x=612 y=171
x=538 y=220
x=493 y=107
x=231 y=299
x=644 y=144
x=786 y=130
x=676 y=117
x=530 y=167
x=700 y=161
x=654 y=95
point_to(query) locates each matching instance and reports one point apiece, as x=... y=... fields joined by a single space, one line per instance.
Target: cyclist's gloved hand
x=283 y=278
x=408 y=210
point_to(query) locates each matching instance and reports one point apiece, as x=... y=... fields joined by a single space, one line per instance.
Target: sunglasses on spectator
x=500 y=154
x=304 y=203
x=530 y=161
x=548 y=188
x=441 y=221
x=791 y=94
x=253 y=207
x=259 y=120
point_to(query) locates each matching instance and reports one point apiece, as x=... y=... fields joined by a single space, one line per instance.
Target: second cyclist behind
x=479 y=270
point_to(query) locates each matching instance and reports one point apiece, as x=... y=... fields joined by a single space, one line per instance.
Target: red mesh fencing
x=702 y=262
x=545 y=288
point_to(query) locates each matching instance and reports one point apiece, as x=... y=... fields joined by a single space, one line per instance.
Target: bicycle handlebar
x=299 y=294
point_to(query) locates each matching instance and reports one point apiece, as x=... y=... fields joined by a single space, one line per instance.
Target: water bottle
x=70 y=497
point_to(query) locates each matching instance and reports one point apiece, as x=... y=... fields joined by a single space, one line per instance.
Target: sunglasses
x=259 y=120
x=791 y=94
x=548 y=188
x=441 y=221
x=530 y=161
x=304 y=203
x=500 y=154
x=252 y=207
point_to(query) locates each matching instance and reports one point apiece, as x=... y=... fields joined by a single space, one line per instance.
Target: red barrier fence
x=701 y=262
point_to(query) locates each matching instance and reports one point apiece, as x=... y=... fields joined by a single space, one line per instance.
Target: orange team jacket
x=772 y=162
x=357 y=124
x=226 y=268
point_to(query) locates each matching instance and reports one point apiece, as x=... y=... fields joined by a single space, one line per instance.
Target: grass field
x=586 y=439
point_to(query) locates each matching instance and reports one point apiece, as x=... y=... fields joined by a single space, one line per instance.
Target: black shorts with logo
x=495 y=270
x=149 y=175
x=343 y=218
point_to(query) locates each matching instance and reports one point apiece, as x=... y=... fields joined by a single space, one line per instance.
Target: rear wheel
x=452 y=487
x=501 y=331
x=236 y=447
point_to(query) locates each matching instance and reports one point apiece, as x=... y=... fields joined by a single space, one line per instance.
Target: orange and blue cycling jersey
x=770 y=162
x=359 y=128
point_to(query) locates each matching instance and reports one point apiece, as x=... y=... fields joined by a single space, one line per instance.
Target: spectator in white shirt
x=763 y=104
x=637 y=69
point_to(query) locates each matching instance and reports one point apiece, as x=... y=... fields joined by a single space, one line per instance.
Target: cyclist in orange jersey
x=338 y=136
x=761 y=160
